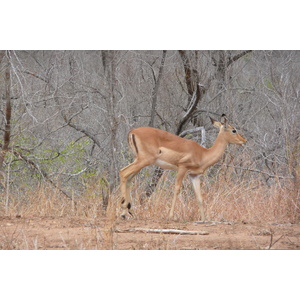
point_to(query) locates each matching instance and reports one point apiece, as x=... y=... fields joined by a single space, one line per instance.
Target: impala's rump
x=132 y=143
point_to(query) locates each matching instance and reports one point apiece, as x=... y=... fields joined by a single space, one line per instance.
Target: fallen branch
x=214 y=222
x=165 y=231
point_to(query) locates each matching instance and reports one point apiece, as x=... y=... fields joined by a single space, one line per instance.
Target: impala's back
x=160 y=147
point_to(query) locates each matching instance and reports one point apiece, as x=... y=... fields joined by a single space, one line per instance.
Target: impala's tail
x=132 y=143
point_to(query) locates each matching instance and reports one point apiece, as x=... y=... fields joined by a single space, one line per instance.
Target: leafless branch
x=42 y=172
x=36 y=76
x=237 y=56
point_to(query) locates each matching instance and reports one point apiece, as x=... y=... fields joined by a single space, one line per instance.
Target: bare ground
x=102 y=233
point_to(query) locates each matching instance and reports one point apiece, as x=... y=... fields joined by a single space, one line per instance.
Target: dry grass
x=247 y=202
x=242 y=202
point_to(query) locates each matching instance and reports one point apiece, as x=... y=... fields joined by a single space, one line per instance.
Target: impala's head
x=229 y=132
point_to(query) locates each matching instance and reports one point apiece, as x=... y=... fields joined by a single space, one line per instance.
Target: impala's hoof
x=123 y=217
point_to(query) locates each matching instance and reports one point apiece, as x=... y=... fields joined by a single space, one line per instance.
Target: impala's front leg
x=197 y=190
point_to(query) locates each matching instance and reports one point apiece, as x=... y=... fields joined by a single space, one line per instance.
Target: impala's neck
x=214 y=153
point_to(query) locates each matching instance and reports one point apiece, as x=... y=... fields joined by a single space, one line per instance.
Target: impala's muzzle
x=242 y=140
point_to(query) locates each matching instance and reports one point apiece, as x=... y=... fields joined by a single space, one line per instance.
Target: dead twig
x=273 y=243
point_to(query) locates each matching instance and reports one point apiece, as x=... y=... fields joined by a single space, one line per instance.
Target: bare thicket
x=65 y=115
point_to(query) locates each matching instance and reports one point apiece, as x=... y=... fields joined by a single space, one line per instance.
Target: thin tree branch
x=256 y=171
x=237 y=56
x=42 y=172
x=36 y=76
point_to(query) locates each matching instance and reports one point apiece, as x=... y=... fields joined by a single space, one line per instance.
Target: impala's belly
x=165 y=165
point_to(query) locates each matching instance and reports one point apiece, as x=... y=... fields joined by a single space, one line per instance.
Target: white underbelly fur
x=165 y=165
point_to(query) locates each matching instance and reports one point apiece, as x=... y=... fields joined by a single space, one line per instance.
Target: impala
x=153 y=146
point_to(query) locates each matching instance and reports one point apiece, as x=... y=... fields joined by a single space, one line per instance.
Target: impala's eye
x=233 y=131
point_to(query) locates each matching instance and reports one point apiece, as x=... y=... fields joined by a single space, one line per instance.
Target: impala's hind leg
x=126 y=176
x=178 y=182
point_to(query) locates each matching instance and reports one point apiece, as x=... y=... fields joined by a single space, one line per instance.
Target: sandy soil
x=78 y=233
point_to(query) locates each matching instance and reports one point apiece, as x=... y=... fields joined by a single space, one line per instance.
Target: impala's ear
x=215 y=123
x=224 y=120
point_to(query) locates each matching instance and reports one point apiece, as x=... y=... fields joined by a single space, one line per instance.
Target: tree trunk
x=155 y=89
x=7 y=116
x=195 y=89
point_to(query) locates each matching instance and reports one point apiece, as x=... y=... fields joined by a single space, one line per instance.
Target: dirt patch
x=86 y=233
